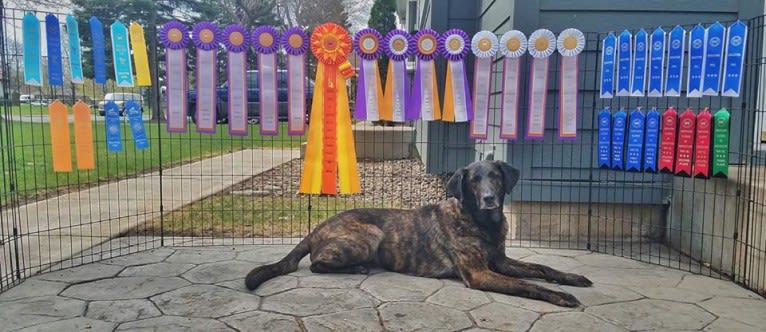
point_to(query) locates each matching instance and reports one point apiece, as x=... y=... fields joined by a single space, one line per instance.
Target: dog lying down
x=460 y=237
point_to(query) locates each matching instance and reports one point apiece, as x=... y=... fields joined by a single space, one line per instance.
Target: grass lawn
x=29 y=109
x=33 y=165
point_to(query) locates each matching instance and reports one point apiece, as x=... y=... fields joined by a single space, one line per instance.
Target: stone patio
x=201 y=289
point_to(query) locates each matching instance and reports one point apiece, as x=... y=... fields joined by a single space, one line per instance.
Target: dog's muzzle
x=489 y=203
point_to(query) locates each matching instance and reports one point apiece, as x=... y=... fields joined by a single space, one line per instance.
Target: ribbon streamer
x=138 y=43
x=668 y=140
x=604 y=138
x=133 y=112
x=618 y=139
x=99 y=53
x=714 y=47
x=458 y=106
x=542 y=44
x=513 y=45
x=265 y=41
x=174 y=37
x=624 y=52
x=75 y=57
x=330 y=153
x=424 y=100
x=702 y=145
x=685 y=148
x=608 y=60
x=295 y=42
x=676 y=44
x=721 y=121
x=205 y=38
x=235 y=40
x=652 y=139
x=736 y=40
x=60 y=143
x=53 y=38
x=398 y=45
x=123 y=67
x=656 y=62
x=570 y=44
x=638 y=81
x=83 y=136
x=33 y=74
x=112 y=127
x=696 y=62
x=369 y=92
x=635 y=141
x=484 y=46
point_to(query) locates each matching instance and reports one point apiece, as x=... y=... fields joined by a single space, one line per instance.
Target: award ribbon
x=714 y=47
x=83 y=136
x=123 y=67
x=140 y=58
x=265 y=41
x=133 y=112
x=99 y=53
x=570 y=44
x=702 y=144
x=638 y=81
x=721 y=121
x=736 y=40
x=541 y=45
x=652 y=139
x=424 y=100
x=608 y=59
x=60 y=144
x=676 y=44
x=174 y=37
x=696 y=60
x=398 y=45
x=296 y=43
x=635 y=141
x=33 y=74
x=53 y=38
x=484 y=47
x=235 y=39
x=618 y=139
x=369 y=91
x=330 y=149
x=604 y=138
x=685 y=149
x=668 y=140
x=513 y=45
x=623 y=63
x=205 y=38
x=75 y=57
x=656 y=62
x=112 y=127
x=457 y=99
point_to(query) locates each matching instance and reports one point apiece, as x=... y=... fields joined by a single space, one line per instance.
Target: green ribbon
x=721 y=143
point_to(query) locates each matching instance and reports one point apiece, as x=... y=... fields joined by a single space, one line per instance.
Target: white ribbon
x=370 y=68
x=537 y=95
x=296 y=81
x=176 y=67
x=206 y=91
x=399 y=86
x=427 y=92
x=568 y=108
x=508 y=128
x=481 y=91
x=237 y=93
x=458 y=90
x=267 y=70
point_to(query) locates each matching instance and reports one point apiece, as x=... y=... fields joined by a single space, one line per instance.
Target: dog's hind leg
x=518 y=269
x=345 y=255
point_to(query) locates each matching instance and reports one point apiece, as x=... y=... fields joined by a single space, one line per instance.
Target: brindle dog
x=461 y=237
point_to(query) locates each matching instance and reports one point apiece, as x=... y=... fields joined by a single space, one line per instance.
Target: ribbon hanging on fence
x=458 y=106
x=618 y=139
x=235 y=40
x=608 y=60
x=205 y=38
x=83 y=136
x=98 y=50
x=570 y=44
x=696 y=62
x=133 y=112
x=685 y=148
x=484 y=46
x=624 y=51
x=60 y=144
x=676 y=44
x=123 y=66
x=295 y=42
x=541 y=45
x=424 y=100
x=736 y=40
x=638 y=80
x=265 y=41
x=702 y=145
x=174 y=37
x=652 y=139
x=721 y=121
x=714 y=47
x=330 y=152
x=513 y=44
x=668 y=140
x=33 y=74
x=604 y=138
x=112 y=127
x=636 y=125
x=369 y=92
x=656 y=62
x=53 y=40
x=75 y=56
x=398 y=45
x=140 y=57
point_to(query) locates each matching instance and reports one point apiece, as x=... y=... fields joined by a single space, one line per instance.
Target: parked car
x=253 y=98
x=120 y=98
x=26 y=99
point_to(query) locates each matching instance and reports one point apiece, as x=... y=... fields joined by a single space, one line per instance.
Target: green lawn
x=29 y=109
x=32 y=154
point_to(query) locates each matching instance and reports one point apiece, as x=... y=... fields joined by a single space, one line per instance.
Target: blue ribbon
x=652 y=140
x=676 y=45
x=99 y=53
x=696 y=57
x=75 y=58
x=113 y=136
x=656 y=62
x=618 y=139
x=623 y=64
x=635 y=141
x=604 y=137
x=714 y=44
x=53 y=38
x=123 y=67
x=638 y=83
x=736 y=40
x=608 y=56
x=133 y=110
x=33 y=74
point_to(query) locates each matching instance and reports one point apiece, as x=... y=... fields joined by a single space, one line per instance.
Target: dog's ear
x=510 y=175
x=455 y=184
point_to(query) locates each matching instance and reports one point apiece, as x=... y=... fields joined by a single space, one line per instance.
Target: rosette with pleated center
x=513 y=44
x=174 y=35
x=295 y=41
x=541 y=43
x=331 y=44
x=484 y=44
x=367 y=44
x=570 y=42
x=427 y=42
x=205 y=35
x=235 y=38
x=399 y=44
x=454 y=44
x=265 y=39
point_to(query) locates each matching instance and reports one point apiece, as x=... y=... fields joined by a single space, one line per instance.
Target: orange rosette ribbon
x=330 y=152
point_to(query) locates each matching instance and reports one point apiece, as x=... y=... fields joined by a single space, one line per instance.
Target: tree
x=309 y=14
x=382 y=18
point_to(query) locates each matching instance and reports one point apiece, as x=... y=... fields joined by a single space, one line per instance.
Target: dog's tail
x=288 y=264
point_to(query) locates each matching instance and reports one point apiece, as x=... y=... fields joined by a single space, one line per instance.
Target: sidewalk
x=59 y=227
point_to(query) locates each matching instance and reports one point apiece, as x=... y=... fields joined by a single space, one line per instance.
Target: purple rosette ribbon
x=174 y=36
x=265 y=41
x=205 y=36
x=367 y=44
x=295 y=41
x=235 y=38
x=369 y=92
x=454 y=45
x=424 y=100
x=398 y=45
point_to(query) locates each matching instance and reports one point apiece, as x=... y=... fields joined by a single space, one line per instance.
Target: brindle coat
x=461 y=237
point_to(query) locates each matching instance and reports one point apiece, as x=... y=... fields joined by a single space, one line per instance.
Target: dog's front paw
x=576 y=280
x=565 y=300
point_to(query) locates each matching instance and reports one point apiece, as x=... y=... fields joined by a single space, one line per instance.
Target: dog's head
x=483 y=185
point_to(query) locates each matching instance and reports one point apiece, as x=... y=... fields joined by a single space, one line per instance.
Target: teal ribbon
x=33 y=74
x=75 y=57
x=123 y=67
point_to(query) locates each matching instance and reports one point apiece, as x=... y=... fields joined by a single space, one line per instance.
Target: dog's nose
x=489 y=200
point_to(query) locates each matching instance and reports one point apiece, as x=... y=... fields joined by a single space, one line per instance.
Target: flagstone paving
x=202 y=289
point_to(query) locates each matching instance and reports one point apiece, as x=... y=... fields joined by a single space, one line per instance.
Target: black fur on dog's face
x=482 y=185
